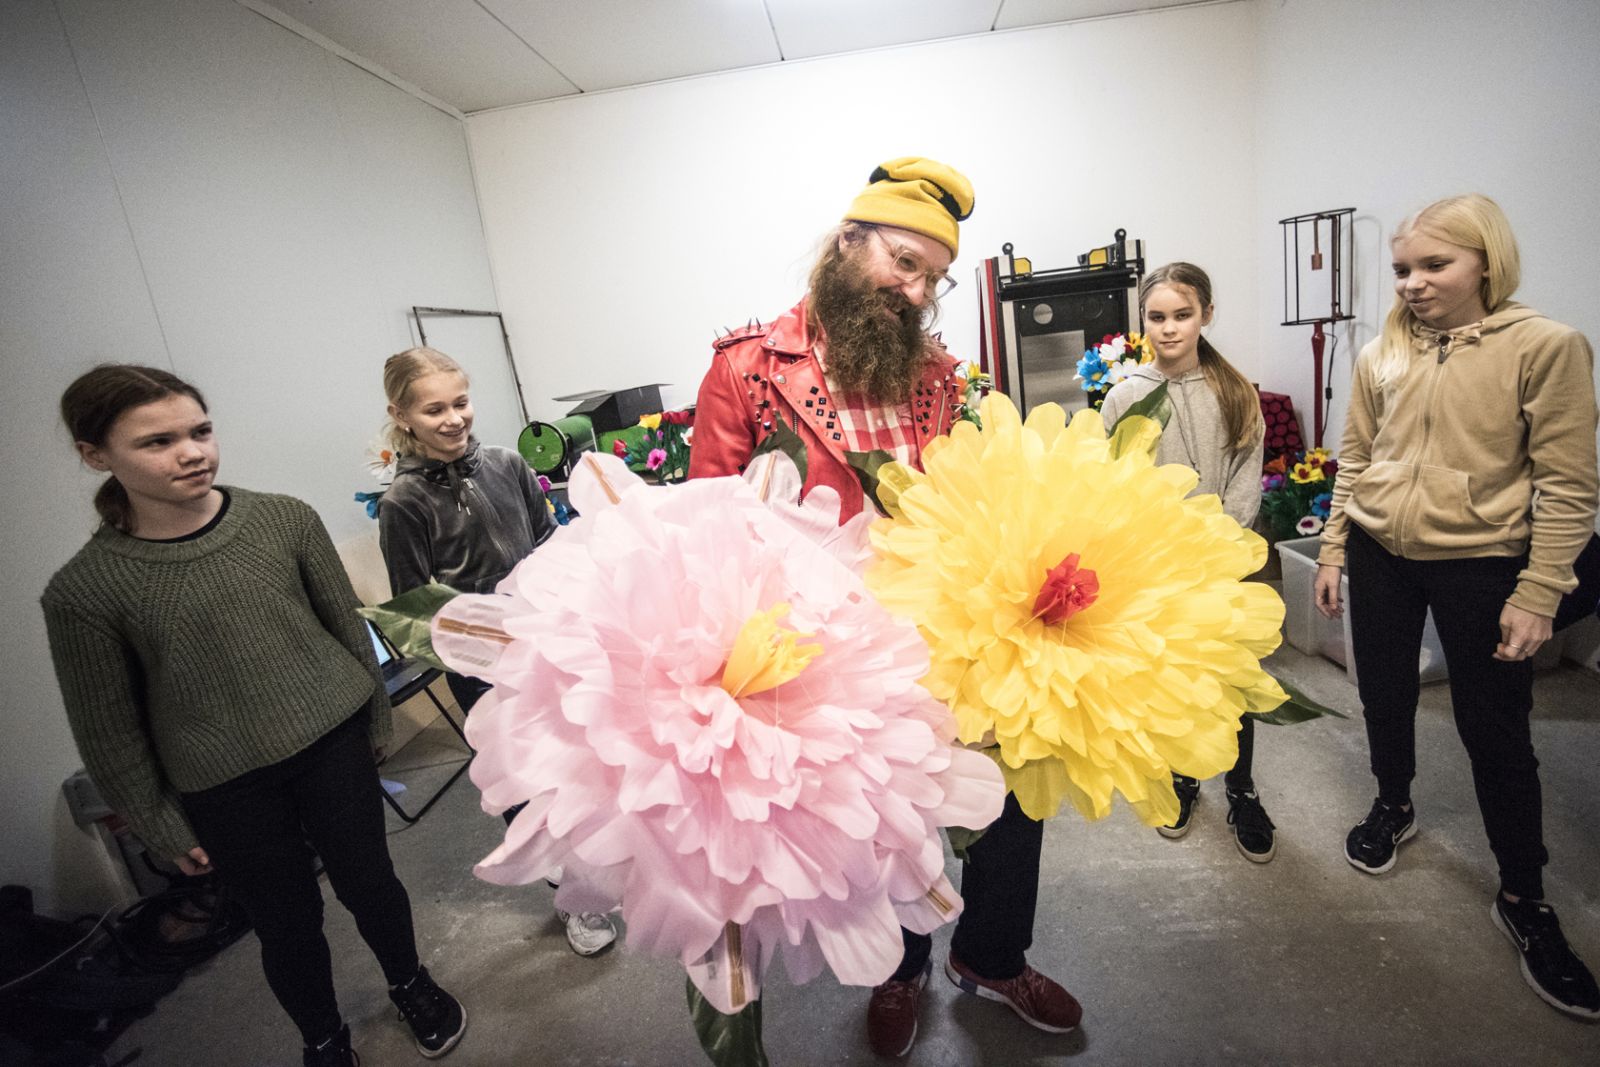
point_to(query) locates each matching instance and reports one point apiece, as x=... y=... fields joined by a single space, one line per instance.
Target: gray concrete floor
x=1181 y=951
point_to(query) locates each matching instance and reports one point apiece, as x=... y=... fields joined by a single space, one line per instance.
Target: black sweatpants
x=1000 y=888
x=1492 y=699
x=256 y=829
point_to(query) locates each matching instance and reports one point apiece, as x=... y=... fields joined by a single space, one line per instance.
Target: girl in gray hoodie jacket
x=1215 y=430
x=460 y=513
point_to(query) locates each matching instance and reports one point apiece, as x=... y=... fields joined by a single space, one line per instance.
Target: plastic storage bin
x=1306 y=629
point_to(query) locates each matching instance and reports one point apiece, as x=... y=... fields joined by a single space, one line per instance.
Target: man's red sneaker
x=892 y=1015
x=1040 y=1001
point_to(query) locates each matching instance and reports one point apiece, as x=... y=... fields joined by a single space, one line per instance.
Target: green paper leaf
x=407 y=620
x=866 y=465
x=1298 y=708
x=783 y=439
x=728 y=1040
x=961 y=839
x=1153 y=405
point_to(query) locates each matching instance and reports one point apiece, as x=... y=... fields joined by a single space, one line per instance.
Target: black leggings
x=259 y=830
x=1492 y=699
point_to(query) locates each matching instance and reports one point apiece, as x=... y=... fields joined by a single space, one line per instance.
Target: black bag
x=1583 y=601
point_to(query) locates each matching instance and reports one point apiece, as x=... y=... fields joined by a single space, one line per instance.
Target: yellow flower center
x=766 y=655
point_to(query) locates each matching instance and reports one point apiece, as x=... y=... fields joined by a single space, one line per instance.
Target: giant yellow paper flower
x=1080 y=610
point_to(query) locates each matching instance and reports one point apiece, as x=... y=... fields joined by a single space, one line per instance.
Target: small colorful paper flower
x=650 y=422
x=1321 y=504
x=1081 y=609
x=1309 y=525
x=1091 y=368
x=1270 y=482
x=371 y=500
x=1305 y=474
x=655 y=459
x=381 y=461
x=619 y=449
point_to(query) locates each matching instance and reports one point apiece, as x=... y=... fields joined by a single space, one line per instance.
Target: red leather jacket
x=765 y=373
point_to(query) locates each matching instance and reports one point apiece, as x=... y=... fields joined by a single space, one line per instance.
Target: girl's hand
x=1521 y=634
x=196 y=862
x=1325 y=592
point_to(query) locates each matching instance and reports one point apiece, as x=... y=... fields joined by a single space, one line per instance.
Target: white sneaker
x=589 y=932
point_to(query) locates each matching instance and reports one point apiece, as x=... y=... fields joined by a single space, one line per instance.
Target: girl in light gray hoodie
x=1215 y=430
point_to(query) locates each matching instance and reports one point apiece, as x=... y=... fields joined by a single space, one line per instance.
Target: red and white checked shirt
x=867 y=426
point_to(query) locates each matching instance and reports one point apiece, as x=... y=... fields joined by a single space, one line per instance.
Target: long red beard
x=869 y=353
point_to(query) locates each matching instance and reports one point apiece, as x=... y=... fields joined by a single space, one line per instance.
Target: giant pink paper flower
x=717 y=727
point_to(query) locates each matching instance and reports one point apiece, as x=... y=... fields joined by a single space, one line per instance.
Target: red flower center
x=1067 y=590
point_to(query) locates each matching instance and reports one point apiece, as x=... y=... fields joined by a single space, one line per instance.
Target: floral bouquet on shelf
x=1297 y=491
x=1110 y=361
x=659 y=446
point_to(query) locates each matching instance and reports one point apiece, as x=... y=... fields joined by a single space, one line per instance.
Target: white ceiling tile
x=1015 y=13
x=453 y=49
x=828 y=27
x=603 y=44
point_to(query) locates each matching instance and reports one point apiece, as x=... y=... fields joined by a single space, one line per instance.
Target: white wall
x=626 y=227
x=1387 y=106
x=186 y=184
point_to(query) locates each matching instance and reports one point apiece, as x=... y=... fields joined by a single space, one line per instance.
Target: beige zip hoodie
x=1197 y=437
x=1485 y=448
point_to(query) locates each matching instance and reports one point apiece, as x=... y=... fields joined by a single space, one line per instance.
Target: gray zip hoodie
x=1197 y=437
x=465 y=523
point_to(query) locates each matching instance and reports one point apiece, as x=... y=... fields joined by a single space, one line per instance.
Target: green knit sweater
x=183 y=665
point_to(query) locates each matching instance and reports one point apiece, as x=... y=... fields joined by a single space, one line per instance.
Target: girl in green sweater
x=226 y=700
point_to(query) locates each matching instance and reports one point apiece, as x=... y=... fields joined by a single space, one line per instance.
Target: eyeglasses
x=908 y=267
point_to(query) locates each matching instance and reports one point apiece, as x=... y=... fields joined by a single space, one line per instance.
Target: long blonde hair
x=1241 y=406
x=400 y=371
x=1470 y=221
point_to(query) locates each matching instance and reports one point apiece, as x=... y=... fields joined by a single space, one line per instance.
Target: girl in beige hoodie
x=1215 y=430
x=1467 y=484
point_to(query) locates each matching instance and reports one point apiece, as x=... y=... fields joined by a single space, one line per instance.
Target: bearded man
x=851 y=368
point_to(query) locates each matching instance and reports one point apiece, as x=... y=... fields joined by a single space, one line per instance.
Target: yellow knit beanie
x=916 y=194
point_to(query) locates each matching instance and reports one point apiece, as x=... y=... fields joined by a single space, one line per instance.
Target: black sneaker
x=1188 y=790
x=437 y=1019
x=1372 y=842
x=1548 y=964
x=334 y=1052
x=1252 y=830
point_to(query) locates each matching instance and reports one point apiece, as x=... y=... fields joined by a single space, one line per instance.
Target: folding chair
x=403 y=679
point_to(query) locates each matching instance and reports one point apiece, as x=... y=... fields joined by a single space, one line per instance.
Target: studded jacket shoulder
x=765 y=373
